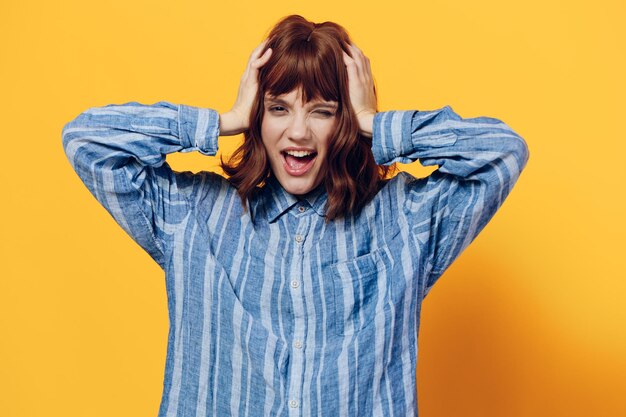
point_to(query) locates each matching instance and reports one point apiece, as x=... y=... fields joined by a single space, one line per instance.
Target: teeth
x=299 y=154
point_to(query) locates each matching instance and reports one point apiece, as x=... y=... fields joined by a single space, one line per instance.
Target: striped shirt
x=272 y=310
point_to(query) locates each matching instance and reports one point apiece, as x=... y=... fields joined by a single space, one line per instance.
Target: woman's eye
x=325 y=113
x=277 y=108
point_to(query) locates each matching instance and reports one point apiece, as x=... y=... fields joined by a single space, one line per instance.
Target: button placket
x=298 y=296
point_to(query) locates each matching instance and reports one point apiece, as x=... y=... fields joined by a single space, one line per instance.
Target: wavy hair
x=309 y=56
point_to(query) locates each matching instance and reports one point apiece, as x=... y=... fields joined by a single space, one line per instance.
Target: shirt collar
x=317 y=198
x=276 y=201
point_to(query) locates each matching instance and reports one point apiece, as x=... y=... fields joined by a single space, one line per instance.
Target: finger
x=357 y=53
x=251 y=65
x=360 y=56
x=255 y=53
x=359 y=61
x=346 y=58
x=368 y=66
x=262 y=60
x=365 y=65
x=351 y=67
x=367 y=70
x=356 y=48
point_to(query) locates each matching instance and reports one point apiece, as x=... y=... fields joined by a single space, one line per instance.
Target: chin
x=297 y=189
x=297 y=186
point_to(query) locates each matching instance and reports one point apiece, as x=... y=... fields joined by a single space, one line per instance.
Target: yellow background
x=530 y=320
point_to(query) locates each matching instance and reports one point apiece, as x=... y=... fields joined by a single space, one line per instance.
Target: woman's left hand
x=361 y=87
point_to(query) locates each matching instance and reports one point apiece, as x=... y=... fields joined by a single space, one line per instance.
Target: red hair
x=309 y=56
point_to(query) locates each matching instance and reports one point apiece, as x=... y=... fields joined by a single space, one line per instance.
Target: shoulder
x=400 y=184
x=393 y=194
x=408 y=194
x=208 y=184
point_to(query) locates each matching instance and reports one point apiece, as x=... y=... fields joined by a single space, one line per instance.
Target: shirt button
x=295 y=284
x=293 y=404
x=297 y=344
x=301 y=209
x=299 y=238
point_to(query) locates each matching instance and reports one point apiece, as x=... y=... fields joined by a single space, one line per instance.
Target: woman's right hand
x=237 y=119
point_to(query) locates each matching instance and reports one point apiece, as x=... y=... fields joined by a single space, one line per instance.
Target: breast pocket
x=362 y=291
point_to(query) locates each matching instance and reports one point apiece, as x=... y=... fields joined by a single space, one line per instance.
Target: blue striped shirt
x=273 y=311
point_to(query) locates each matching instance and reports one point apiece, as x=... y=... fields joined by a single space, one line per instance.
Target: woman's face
x=295 y=136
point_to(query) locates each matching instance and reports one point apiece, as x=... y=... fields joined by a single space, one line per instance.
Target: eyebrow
x=275 y=100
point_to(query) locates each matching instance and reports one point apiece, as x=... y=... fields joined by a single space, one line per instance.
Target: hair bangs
x=302 y=67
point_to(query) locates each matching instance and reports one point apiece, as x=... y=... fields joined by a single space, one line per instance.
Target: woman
x=295 y=285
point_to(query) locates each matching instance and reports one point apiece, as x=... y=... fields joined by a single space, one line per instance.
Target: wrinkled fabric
x=273 y=311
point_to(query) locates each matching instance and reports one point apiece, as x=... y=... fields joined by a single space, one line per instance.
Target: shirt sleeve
x=118 y=151
x=479 y=160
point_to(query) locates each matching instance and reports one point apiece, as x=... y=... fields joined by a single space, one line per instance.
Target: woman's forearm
x=118 y=151
x=466 y=148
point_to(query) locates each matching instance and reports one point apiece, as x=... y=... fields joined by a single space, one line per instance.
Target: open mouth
x=298 y=162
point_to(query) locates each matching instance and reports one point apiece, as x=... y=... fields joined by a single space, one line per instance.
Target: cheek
x=270 y=133
x=270 y=143
x=263 y=131
x=325 y=136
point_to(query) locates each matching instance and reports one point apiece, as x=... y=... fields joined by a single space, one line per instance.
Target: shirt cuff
x=391 y=135
x=199 y=129
x=401 y=136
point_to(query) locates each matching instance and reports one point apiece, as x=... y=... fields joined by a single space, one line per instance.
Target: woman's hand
x=361 y=87
x=237 y=119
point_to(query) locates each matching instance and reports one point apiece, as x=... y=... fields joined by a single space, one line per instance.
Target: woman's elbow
x=519 y=149
x=514 y=145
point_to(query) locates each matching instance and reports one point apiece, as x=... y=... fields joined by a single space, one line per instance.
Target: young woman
x=295 y=283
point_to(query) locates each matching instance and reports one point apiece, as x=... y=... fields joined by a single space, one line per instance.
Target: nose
x=298 y=127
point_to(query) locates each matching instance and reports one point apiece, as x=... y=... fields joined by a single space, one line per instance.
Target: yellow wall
x=528 y=322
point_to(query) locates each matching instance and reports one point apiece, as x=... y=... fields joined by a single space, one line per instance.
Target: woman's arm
x=479 y=160
x=118 y=151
